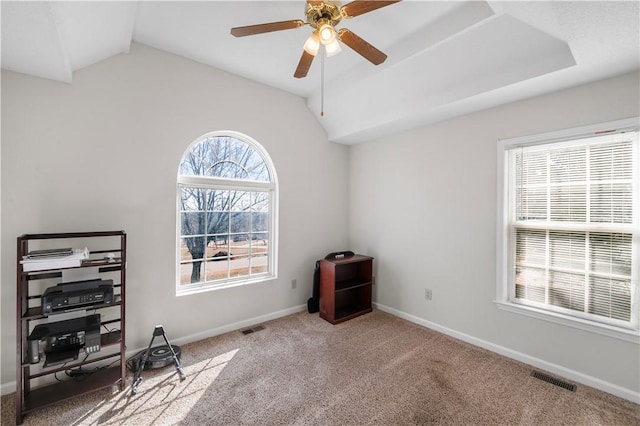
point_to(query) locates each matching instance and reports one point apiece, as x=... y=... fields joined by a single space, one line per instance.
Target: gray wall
x=102 y=153
x=423 y=203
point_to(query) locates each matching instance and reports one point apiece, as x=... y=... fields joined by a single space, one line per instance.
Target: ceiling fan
x=323 y=16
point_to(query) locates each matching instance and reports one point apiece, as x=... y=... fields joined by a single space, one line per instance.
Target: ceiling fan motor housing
x=326 y=12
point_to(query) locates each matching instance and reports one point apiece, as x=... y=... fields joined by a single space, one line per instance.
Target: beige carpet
x=376 y=369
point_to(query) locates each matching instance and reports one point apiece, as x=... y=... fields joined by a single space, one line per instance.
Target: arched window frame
x=218 y=183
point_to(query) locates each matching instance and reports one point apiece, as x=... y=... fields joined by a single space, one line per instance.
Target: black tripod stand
x=142 y=360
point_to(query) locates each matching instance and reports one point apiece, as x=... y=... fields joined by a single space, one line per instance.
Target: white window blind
x=573 y=227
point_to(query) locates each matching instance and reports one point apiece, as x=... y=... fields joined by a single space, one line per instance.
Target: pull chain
x=322 y=83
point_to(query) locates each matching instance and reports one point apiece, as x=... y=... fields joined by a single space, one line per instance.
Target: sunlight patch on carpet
x=162 y=398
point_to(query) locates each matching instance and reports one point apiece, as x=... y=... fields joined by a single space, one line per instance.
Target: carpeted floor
x=373 y=370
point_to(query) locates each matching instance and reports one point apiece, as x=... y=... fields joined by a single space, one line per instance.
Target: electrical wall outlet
x=428 y=294
x=294 y=283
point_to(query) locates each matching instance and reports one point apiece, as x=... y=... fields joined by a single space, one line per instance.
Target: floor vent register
x=554 y=381
x=253 y=329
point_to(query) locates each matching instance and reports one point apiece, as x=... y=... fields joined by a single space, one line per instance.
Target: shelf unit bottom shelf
x=351 y=311
x=51 y=394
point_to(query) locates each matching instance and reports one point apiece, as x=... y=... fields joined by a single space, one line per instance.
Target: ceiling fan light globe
x=312 y=44
x=332 y=48
x=327 y=34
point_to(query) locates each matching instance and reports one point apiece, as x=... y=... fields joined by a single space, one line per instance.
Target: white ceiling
x=445 y=58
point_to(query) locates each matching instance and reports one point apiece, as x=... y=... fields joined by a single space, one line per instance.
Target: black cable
x=55 y=375
x=81 y=373
x=110 y=330
x=133 y=363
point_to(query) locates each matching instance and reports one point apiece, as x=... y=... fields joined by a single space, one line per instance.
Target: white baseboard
x=576 y=376
x=10 y=387
x=7 y=388
x=235 y=326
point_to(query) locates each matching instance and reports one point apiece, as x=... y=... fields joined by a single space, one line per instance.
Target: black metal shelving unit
x=110 y=362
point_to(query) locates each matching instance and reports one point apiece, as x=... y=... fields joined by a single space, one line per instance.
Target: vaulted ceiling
x=445 y=59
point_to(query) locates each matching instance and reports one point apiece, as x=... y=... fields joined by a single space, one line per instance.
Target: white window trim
x=502 y=238
x=220 y=183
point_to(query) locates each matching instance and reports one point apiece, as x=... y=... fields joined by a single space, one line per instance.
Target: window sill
x=221 y=286
x=627 y=335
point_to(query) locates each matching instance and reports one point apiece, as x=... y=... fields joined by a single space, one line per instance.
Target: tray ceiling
x=445 y=59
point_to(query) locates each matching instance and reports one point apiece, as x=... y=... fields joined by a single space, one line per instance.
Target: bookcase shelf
x=108 y=366
x=35 y=312
x=48 y=395
x=345 y=287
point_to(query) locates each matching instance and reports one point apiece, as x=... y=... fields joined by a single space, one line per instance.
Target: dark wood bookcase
x=109 y=364
x=345 y=287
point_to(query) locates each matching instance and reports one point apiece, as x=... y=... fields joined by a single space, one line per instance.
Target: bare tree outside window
x=225 y=202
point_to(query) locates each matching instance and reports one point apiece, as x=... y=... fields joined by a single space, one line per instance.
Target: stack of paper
x=41 y=260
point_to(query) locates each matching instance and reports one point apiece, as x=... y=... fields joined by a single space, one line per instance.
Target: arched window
x=227 y=212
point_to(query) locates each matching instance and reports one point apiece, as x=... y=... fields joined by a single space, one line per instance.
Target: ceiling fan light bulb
x=332 y=48
x=312 y=44
x=327 y=34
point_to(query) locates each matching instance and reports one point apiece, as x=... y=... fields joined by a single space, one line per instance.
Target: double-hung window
x=226 y=214
x=568 y=227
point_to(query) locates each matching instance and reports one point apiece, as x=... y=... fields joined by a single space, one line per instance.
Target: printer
x=64 y=339
x=76 y=294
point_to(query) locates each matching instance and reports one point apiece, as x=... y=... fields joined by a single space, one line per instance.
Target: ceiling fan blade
x=266 y=28
x=304 y=64
x=359 y=7
x=369 y=52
